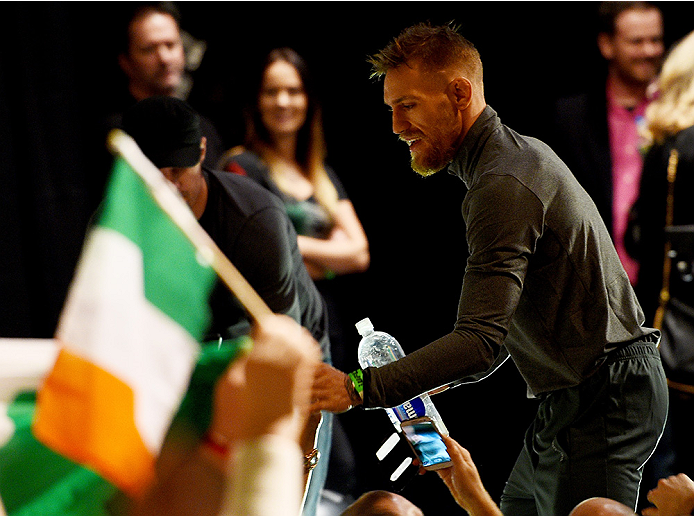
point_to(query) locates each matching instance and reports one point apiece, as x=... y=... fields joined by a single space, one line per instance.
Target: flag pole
x=168 y=198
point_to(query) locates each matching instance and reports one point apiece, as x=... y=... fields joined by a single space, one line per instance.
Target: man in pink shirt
x=627 y=161
x=634 y=50
x=596 y=133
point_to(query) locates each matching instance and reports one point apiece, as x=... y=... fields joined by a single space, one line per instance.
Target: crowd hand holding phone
x=464 y=482
x=438 y=452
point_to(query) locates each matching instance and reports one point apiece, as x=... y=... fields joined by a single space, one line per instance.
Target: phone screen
x=427 y=443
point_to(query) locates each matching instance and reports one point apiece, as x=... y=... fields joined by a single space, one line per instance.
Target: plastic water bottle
x=377 y=349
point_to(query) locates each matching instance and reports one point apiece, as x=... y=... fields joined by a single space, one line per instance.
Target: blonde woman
x=670 y=125
x=673 y=111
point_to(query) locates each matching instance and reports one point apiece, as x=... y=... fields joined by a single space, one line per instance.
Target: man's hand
x=673 y=496
x=333 y=391
x=464 y=482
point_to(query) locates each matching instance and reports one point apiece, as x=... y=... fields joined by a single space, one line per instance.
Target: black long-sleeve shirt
x=543 y=281
x=251 y=227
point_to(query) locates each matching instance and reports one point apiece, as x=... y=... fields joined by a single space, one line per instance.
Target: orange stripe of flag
x=87 y=414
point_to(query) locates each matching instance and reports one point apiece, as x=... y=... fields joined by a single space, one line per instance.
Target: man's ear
x=124 y=64
x=460 y=91
x=203 y=148
x=605 y=45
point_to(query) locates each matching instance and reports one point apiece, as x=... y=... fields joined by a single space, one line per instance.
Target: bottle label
x=410 y=409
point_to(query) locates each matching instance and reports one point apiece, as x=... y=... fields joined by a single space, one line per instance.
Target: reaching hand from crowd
x=464 y=482
x=673 y=496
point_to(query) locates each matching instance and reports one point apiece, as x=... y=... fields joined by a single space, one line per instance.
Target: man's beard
x=641 y=73
x=432 y=162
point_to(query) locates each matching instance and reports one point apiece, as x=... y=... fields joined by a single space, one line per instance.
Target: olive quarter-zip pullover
x=543 y=281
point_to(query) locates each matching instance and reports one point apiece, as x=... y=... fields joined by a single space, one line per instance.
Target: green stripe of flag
x=130 y=209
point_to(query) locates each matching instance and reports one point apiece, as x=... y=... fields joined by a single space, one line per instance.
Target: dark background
x=58 y=72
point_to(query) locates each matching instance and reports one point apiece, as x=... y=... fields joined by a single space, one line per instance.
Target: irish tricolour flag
x=129 y=333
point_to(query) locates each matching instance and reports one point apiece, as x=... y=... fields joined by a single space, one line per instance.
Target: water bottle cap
x=364 y=326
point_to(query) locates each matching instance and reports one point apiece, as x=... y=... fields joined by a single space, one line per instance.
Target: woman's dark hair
x=310 y=146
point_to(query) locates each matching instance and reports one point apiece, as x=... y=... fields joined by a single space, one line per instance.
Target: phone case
x=427 y=449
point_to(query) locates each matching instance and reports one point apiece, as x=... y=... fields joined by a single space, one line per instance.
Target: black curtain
x=45 y=199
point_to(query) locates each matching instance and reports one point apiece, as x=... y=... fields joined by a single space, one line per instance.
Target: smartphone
x=426 y=441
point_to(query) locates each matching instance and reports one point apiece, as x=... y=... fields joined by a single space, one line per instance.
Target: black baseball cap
x=166 y=129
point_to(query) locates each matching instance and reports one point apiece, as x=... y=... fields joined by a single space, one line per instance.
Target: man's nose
x=165 y=53
x=400 y=123
x=653 y=48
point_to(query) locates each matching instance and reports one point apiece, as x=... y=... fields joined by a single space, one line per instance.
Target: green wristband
x=357 y=378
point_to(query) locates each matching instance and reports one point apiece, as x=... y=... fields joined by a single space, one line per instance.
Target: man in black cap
x=248 y=224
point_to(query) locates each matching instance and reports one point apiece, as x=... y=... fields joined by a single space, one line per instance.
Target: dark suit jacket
x=579 y=134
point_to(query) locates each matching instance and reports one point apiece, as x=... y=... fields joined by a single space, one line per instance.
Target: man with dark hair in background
x=152 y=55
